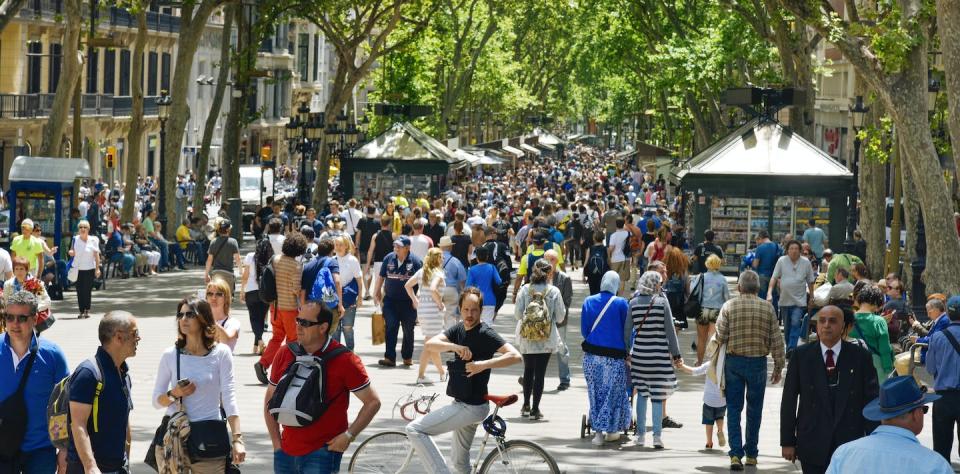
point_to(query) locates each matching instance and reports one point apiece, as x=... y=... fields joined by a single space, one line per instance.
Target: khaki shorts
x=622 y=269
x=708 y=316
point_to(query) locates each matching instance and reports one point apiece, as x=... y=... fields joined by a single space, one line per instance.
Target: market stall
x=763 y=177
x=401 y=159
x=43 y=190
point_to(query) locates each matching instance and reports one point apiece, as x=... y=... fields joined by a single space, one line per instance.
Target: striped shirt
x=288 y=272
x=749 y=328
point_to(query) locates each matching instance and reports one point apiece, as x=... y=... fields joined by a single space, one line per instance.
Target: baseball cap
x=402 y=241
x=953 y=305
x=26 y=223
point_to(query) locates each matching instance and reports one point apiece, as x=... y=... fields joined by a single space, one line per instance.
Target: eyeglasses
x=186 y=314
x=135 y=334
x=306 y=323
x=20 y=318
x=218 y=294
x=83 y=227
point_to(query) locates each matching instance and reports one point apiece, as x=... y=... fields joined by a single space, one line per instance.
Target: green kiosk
x=763 y=177
x=401 y=159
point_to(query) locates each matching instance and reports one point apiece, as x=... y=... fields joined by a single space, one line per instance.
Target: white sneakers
x=597 y=439
x=610 y=437
x=640 y=440
x=657 y=442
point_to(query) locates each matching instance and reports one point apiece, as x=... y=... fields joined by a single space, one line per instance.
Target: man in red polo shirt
x=318 y=447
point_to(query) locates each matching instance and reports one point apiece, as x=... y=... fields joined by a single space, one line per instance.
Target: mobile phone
x=183 y=382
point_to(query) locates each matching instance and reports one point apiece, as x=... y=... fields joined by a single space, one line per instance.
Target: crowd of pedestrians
x=447 y=264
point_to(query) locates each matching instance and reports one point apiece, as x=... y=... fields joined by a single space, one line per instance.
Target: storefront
x=763 y=177
x=42 y=189
x=402 y=159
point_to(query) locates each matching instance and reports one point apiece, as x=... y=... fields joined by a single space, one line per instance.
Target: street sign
x=110 y=159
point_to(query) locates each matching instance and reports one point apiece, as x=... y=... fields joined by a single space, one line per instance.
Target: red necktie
x=831 y=365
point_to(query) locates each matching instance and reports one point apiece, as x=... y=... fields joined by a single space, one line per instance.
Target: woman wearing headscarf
x=605 y=326
x=654 y=349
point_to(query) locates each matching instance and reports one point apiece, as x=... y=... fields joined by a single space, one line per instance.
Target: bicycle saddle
x=502 y=400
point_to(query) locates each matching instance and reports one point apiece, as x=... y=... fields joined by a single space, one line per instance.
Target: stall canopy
x=48 y=170
x=767 y=151
x=581 y=137
x=513 y=151
x=528 y=148
x=478 y=159
x=405 y=142
x=548 y=139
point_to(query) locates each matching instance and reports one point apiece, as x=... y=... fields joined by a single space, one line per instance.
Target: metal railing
x=28 y=106
x=49 y=9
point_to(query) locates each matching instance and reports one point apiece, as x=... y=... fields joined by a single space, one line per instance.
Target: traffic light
x=110 y=159
x=265 y=157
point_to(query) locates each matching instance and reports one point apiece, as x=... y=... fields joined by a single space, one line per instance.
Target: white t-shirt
x=419 y=245
x=712 y=396
x=618 y=239
x=85 y=259
x=249 y=262
x=231 y=325
x=349 y=268
x=213 y=376
x=351 y=218
x=276 y=240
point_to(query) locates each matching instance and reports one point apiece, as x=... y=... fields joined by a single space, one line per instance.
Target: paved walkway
x=154 y=301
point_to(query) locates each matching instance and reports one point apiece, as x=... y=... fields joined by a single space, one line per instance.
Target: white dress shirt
x=836 y=352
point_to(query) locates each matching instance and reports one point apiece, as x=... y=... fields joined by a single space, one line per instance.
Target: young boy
x=485 y=277
x=714 y=403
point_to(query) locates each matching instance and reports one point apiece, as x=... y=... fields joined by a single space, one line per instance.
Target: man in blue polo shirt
x=36 y=454
x=398 y=266
x=100 y=442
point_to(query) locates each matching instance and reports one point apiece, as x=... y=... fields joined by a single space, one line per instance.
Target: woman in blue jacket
x=605 y=325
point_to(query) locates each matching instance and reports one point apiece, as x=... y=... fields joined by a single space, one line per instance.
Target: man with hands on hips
x=476 y=346
x=318 y=448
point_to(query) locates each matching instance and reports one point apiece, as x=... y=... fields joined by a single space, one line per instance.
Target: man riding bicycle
x=475 y=344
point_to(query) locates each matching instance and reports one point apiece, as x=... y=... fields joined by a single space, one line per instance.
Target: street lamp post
x=303 y=115
x=163 y=113
x=857 y=111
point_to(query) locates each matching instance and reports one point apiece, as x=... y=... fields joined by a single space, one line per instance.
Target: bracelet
x=350 y=435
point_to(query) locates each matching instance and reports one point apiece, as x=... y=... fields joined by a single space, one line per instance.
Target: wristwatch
x=350 y=435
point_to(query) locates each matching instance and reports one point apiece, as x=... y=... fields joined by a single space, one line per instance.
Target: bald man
x=828 y=383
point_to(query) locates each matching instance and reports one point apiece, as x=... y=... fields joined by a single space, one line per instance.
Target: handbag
x=13 y=416
x=693 y=307
x=379 y=327
x=73 y=272
x=208 y=439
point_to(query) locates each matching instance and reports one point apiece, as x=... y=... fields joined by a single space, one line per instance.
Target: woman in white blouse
x=85 y=250
x=227 y=328
x=250 y=294
x=351 y=278
x=205 y=371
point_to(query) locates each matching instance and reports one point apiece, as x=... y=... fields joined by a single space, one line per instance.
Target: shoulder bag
x=13 y=416
x=208 y=439
x=73 y=273
x=694 y=305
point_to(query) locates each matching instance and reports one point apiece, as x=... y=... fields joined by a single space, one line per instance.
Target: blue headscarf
x=610 y=282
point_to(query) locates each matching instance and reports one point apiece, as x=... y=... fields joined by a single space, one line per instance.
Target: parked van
x=255 y=185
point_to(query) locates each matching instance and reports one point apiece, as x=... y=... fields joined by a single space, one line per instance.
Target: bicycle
x=421 y=405
x=390 y=452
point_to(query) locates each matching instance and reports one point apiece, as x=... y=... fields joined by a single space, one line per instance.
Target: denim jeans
x=399 y=313
x=179 y=259
x=127 y=260
x=320 y=461
x=164 y=250
x=657 y=416
x=348 y=319
x=805 y=325
x=792 y=324
x=744 y=375
x=458 y=417
x=563 y=355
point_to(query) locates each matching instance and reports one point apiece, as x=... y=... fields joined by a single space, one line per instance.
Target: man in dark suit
x=833 y=380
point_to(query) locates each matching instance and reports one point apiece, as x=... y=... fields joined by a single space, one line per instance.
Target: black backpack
x=299 y=398
x=268 y=284
x=262 y=255
x=597 y=262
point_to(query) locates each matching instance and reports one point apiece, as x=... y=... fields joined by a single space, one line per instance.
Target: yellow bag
x=379 y=328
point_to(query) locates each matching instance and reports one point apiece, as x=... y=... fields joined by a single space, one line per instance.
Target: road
x=154 y=300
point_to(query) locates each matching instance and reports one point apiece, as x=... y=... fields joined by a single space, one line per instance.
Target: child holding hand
x=714 y=403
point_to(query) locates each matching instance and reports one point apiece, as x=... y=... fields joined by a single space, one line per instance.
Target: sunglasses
x=218 y=294
x=925 y=408
x=306 y=323
x=186 y=314
x=20 y=318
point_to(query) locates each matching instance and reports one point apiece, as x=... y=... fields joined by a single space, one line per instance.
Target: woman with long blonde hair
x=219 y=295
x=351 y=279
x=429 y=306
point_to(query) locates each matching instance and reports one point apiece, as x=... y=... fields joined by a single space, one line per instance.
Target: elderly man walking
x=748 y=327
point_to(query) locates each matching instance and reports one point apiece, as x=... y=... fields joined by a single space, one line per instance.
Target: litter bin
x=235 y=213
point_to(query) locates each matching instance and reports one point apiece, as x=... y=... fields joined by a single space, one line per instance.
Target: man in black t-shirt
x=475 y=344
x=366 y=229
x=704 y=249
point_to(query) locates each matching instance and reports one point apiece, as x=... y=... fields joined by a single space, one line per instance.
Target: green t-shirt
x=27 y=248
x=148 y=226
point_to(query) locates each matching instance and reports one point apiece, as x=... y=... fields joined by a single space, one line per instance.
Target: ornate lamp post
x=857 y=113
x=163 y=113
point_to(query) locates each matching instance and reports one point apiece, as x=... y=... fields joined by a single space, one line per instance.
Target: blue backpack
x=324 y=287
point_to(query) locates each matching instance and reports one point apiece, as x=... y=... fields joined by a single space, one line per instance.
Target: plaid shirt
x=749 y=328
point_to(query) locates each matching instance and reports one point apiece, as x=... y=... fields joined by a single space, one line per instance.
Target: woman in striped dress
x=429 y=305
x=654 y=349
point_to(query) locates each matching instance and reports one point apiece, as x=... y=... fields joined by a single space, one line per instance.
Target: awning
x=513 y=151
x=548 y=139
x=405 y=142
x=528 y=148
x=50 y=170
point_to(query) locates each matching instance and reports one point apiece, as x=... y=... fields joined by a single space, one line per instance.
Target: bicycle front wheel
x=519 y=457
x=389 y=452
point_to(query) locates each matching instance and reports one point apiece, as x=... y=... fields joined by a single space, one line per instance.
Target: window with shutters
x=56 y=60
x=303 y=56
x=124 y=72
x=165 y=72
x=109 y=70
x=152 y=74
x=93 y=71
x=34 y=56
